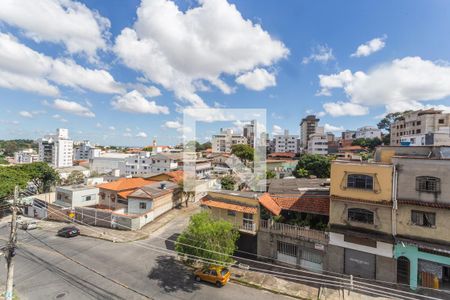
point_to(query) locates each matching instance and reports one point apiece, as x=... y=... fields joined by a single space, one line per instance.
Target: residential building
x=349 y=135
x=223 y=141
x=281 y=168
x=421 y=127
x=368 y=132
x=25 y=156
x=107 y=162
x=318 y=142
x=76 y=196
x=248 y=131
x=285 y=142
x=85 y=151
x=64 y=172
x=422 y=247
x=308 y=126
x=57 y=149
x=361 y=241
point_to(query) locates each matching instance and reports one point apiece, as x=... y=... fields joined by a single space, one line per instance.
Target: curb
x=260 y=287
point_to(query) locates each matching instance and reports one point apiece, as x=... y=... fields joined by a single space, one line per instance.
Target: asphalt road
x=145 y=267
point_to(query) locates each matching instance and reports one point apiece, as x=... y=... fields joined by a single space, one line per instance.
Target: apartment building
x=318 y=142
x=226 y=139
x=146 y=164
x=57 y=149
x=25 y=156
x=421 y=127
x=85 y=151
x=308 y=126
x=361 y=242
x=285 y=142
x=368 y=132
x=248 y=131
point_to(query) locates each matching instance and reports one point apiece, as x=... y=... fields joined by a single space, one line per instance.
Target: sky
x=123 y=72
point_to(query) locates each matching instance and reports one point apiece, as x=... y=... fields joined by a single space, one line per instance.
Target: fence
x=294 y=231
x=102 y=218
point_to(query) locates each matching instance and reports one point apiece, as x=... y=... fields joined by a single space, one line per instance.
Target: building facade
x=285 y=142
x=368 y=132
x=57 y=149
x=308 y=126
x=318 y=143
x=85 y=151
x=25 y=156
x=76 y=196
x=248 y=131
x=226 y=139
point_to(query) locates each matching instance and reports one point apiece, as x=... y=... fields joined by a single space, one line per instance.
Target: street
x=106 y=270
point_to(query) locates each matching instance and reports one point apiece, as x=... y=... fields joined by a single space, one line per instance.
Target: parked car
x=69 y=231
x=28 y=225
x=214 y=274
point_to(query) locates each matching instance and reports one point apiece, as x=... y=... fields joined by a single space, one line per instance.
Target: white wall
x=382 y=249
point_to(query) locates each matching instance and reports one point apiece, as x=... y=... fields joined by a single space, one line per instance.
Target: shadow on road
x=172 y=276
x=170 y=241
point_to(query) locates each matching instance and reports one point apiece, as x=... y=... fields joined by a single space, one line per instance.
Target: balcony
x=294 y=231
x=246 y=226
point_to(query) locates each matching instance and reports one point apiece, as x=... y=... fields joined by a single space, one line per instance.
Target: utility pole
x=11 y=248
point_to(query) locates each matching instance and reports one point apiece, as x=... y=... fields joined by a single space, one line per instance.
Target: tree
x=9 y=178
x=244 y=152
x=187 y=193
x=228 y=182
x=208 y=238
x=41 y=174
x=367 y=143
x=313 y=164
x=75 y=177
x=270 y=174
x=386 y=122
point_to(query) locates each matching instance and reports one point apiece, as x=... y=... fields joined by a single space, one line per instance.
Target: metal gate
x=311 y=260
x=360 y=264
x=287 y=252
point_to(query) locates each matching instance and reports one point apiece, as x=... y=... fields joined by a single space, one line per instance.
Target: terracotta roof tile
x=423 y=203
x=124 y=184
x=176 y=176
x=314 y=205
x=267 y=201
x=124 y=194
x=229 y=206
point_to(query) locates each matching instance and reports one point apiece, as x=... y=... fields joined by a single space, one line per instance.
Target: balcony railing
x=293 y=231
x=247 y=226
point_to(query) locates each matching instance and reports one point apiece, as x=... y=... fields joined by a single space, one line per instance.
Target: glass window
x=428 y=184
x=213 y=273
x=360 y=215
x=358 y=181
x=231 y=213
x=422 y=218
x=142 y=205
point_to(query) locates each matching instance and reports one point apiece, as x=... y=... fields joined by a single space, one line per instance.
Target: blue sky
x=121 y=72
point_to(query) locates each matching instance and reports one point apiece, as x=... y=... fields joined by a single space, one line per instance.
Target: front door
x=403 y=270
x=360 y=264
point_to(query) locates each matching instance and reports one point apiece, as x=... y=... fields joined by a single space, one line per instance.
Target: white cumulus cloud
x=71 y=23
x=141 y=135
x=333 y=128
x=172 y=124
x=321 y=53
x=339 y=109
x=176 y=48
x=370 y=47
x=25 y=114
x=135 y=102
x=257 y=80
x=72 y=108
x=276 y=130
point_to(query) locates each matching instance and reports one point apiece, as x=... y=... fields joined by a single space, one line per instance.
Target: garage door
x=287 y=253
x=359 y=264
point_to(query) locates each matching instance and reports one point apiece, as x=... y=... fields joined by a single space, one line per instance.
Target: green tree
x=244 y=152
x=41 y=175
x=367 y=143
x=386 y=122
x=9 y=178
x=314 y=164
x=228 y=182
x=270 y=174
x=75 y=177
x=301 y=173
x=208 y=238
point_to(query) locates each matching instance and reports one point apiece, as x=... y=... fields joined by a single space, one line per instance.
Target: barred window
x=287 y=248
x=428 y=184
x=423 y=218
x=359 y=181
x=360 y=215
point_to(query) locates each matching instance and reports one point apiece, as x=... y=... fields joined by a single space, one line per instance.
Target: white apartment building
x=248 y=132
x=223 y=141
x=308 y=126
x=285 y=142
x=85 y=151
x=25 y=156
x=107 y=162
x=57 y=149
x=146 y=164
x=318 y=142
x=368 y=132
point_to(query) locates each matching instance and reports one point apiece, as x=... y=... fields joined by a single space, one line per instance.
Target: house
x=174 y=176
x=422 y=239
x=64 y=172
x=76 y=195
x=360 y=239
x=281 y=155
x=281 y=168
x=243 y=210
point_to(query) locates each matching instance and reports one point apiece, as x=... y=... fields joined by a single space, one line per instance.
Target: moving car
x=214 y=274
x=69 y=231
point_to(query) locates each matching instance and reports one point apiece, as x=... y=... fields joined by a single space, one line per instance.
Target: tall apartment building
x=85 y=150
x=308 y=126
x=420 y=128
x=223 y=141
x=318 y=142
x=248 y=131
x=56 y=149
x=285 y=142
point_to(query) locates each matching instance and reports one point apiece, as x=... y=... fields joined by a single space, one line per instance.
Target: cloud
x=176 y=48
x=127 y=129
x=135 y=102
x=59 y=118
x=328 y=82
x=112 y=128
x=23 y=68
x=257 y=80
x=25 y=114
x=370 y=47
x=276 y=130
x=71 y=23
x=72 y=108
x=339 y=109
x=127 y=134
x=321 y=53
x=332 y=128
x=172 y=124
x=141 y=135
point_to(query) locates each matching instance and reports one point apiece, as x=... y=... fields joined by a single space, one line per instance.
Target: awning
x=230 y=206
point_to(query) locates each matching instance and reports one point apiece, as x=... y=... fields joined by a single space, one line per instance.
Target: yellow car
x=214 y=274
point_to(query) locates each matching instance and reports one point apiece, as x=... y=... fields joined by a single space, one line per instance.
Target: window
x=360 y=215
x=418 y=123
x=418 y=131
x=359 y=181
x=231 y=213
x=87 y=198
x=428 y=184
x=422 y=218
x=142 y=205
x=441 y=121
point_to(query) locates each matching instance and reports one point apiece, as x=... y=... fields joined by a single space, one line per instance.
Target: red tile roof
x=124 y=194
x=124 y=184
x=282 y=154
x=314 y=205
x=423 y=203
x=177 y=176
x=267 y=201
x=229 y=206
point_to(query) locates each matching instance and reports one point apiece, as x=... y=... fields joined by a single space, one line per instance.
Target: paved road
x=42 y=273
